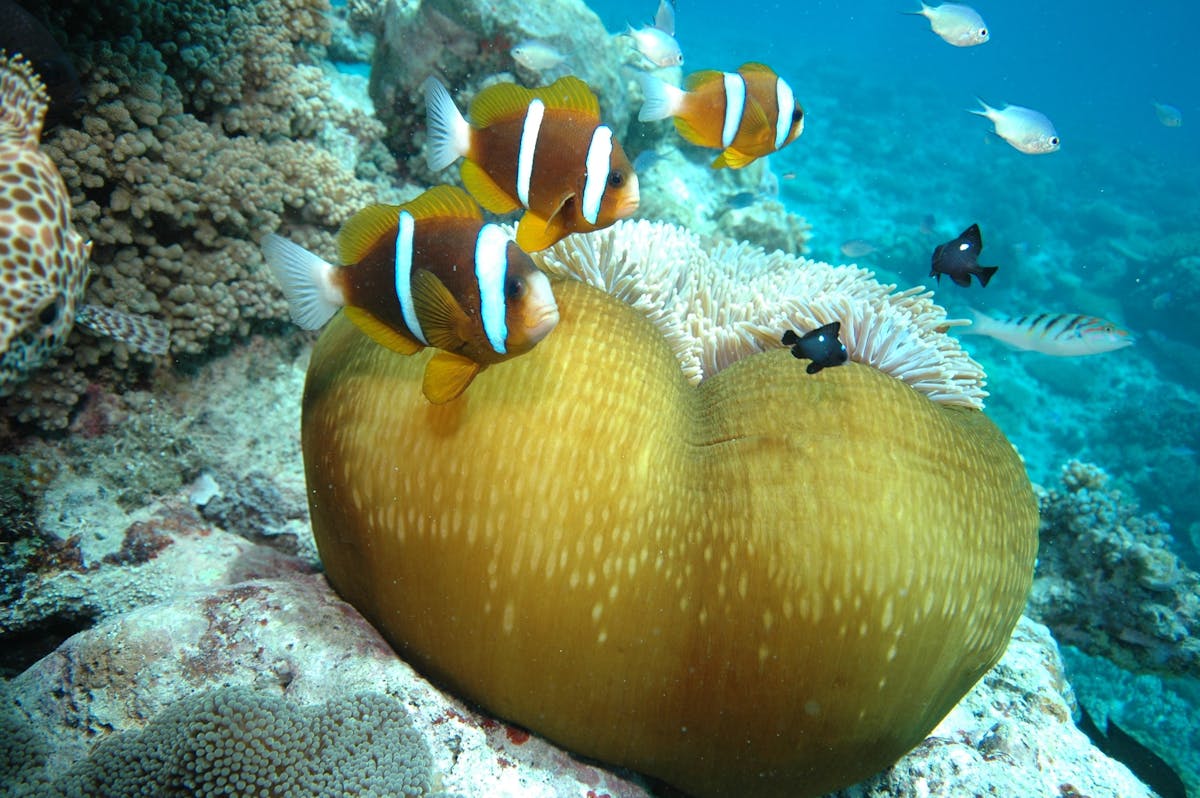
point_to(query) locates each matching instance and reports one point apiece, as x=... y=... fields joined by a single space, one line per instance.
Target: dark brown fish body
x=370 y=285
x=959 y=259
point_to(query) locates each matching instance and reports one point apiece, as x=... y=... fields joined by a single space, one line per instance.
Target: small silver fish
x=1027 y=130
x=1168 y=115
x=43 y=258
x=957 y=24
x=1058 y=334
x=857 y=248
x=656 y=43
x=536 y=56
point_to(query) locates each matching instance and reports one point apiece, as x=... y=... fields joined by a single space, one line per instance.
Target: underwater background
x=890 y=165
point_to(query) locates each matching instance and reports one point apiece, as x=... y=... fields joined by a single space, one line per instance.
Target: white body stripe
x=785 y=100
x=595 y=177
x=404 y=264
x=735 y=106
x=529 y=139
x=491 y=267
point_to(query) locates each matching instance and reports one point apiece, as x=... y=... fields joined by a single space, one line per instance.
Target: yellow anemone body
x=770 y=584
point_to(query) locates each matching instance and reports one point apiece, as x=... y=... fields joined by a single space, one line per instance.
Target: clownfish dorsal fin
x=444 y=322
x=535 y=232
x=442 y=202
x=498 y=103
x=505 y=101
x=485 y=190
x=447 y=375
x=697 y=80
x=569 y=93
x=382 y=334
x=754 y=66
x=363 y=231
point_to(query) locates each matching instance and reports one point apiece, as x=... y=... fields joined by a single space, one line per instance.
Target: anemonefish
x=425 y=273
x=540 y=149
x=747 y=114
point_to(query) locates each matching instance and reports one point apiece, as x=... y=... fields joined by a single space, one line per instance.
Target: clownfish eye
x=616 y=178
x=515 y=288
x=797 y=114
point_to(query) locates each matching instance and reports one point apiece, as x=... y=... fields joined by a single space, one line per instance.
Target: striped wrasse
x=1059 y=334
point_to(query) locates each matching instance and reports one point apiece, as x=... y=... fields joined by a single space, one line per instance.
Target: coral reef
x=277 y=653
x=158 y=623
x=203 y=127
x=1107 y=580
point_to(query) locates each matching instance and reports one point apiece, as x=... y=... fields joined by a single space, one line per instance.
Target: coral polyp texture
x=1108 y=581
x=239 y=741
x=766 y=583
x=201 y=128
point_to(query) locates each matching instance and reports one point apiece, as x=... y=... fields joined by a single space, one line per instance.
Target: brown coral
x=203 y=128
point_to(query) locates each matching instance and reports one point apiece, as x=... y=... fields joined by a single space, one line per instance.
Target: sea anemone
x=735 y=576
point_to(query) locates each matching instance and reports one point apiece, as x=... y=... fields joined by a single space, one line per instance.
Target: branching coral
x=1107 y=581
x=202 y=129
x=718 y=303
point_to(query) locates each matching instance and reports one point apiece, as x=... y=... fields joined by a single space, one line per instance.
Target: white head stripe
x=404 y=263
x=735 y=106
x=491 y=267
x=529 y=137
x=785 y=100
x=595 y=179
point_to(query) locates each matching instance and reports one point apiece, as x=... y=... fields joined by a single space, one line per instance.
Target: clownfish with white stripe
x=747 y=114
x=425 y=273
x=1058 y=334
x=541 y=149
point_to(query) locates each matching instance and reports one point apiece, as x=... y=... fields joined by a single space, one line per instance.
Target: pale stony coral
x=1107 y=580
x=203 y=128
x=684 y=190
x=238 y=741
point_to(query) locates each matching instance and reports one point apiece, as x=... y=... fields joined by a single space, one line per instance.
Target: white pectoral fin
x=305 y=279
x=448 y=132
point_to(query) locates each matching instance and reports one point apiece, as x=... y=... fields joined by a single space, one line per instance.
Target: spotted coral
x=239 y=741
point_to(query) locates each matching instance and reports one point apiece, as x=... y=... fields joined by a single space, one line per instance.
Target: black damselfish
x=821 y=346
x=959 y=259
